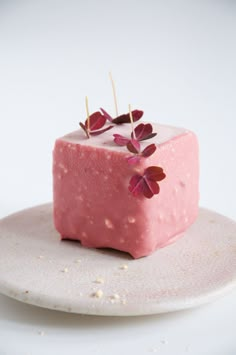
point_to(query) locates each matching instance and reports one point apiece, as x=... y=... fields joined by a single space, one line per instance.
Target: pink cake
x=93 y=200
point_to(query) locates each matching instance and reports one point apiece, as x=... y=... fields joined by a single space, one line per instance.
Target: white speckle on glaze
x=65 y=171
x=59 y=176
x=175 y=190
x=84 y=234
x=186 y=219
x=160 y=217
x=108 y=223
x=188 y=176
x=108 y=156
x=110 y=170
x=131 y=219
x=81 y=198
x=122 y=240
x=105 y=177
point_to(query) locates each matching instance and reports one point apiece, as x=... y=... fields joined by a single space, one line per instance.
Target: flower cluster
x=147 y=183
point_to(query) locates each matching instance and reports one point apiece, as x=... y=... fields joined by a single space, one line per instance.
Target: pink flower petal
x=120 y=140
x=135 y=159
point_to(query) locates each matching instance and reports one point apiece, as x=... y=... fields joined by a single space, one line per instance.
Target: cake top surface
x=106 y=140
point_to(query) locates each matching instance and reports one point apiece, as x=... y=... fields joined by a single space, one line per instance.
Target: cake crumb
x=124 y=302
x=99 y=280
x=65 y=270
x=124 y=267
x=77 y=261
x=98 y=294
x=40 y=257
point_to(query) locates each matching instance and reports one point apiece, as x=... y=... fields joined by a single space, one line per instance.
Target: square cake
x=96 y=204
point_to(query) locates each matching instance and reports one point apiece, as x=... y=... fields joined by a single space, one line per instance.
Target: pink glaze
x=91 y=198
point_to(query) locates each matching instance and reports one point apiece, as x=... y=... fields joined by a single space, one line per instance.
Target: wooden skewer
x=114 y=93
x=132 y=121
x=87 y=112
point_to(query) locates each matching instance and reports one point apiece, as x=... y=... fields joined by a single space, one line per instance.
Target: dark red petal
x=151 y=188
x=96 y=121
x=143 y=131
x=149 y=150
x=146 y=191
x=96 y=133
x=106 y=115
x=154 y=173
x=121 y=119
x=120 y=140
x=137 y=114
x=84 y=129
x=136 y=184
x=125 y=118
x=148 y=136
x=135 y=159
x=133 y=146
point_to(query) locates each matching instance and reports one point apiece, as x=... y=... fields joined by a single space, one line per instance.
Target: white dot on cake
x=131 y=219
x=108 y=223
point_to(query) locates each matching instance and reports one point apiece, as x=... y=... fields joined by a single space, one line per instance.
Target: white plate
x=37 y=268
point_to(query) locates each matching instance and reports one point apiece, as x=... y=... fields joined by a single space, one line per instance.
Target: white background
x=173 y=59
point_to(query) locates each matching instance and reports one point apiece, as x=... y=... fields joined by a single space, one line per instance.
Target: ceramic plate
x=37 y=268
